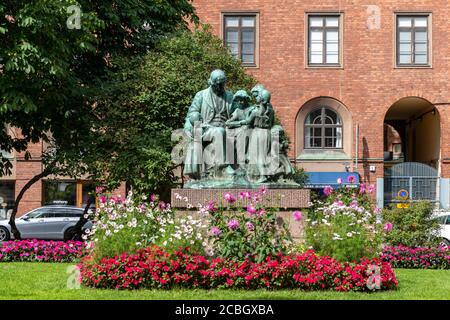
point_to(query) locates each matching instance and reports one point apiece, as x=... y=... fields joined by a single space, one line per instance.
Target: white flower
x=349 y=234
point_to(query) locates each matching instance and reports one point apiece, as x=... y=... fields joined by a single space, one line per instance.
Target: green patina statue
x=233 y=144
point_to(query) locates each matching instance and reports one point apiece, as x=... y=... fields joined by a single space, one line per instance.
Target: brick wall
x=368 y=84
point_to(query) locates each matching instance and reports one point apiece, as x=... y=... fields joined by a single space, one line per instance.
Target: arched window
x=323 y=129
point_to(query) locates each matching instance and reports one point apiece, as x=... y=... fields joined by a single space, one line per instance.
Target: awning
x=318 y=180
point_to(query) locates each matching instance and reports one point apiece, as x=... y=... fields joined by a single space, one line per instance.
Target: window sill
x=413 y=67
x=323 y=154
x=325 y=67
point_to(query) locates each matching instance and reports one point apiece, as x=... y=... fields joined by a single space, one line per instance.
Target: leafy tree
x=149 y=97
x=48 y=72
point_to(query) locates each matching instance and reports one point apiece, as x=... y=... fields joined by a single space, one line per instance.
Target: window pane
x=332 y=21
x=421 y=36
x=420 y=22
x=59 y=192
x=330 y=143
x=248 y=36
x=313 y=115
x=7 y=194
x=421 y=58
x=316 y=21
x=232 y=36
x=248 y=22
x=88 y=192
x=317 y=48
x=316 y=58
x=332 y=58
x=330 y=132
x=248 y=58
x=248 y=48
x=404 y=22
x=331 y=115
x=405 y=36
x=317 y=132
x=332 y=36
x=332 y=47
x=316 y=35
x=233 y=48
x=232 y=22
x=405 y=47
x=405 y=58
x=421 y=47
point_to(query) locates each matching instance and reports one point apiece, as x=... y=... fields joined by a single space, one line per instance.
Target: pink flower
x=377 y=210
x=99 y=190
x=327 y=190
x=153 y=197
x=251 y=209
x=371 y=188
x=351 y=179
x=338 y=203
x=211 y=207
x=250 y=226
x=162 y=205
x=244 y=195
x=388 y=227
x=297 y=215
x=229 y=197
x=339 y=180
x=261 y=212
x=215 y=231
x=262 y=190
x=233 y=224
x=362 y=188
x=102 y=199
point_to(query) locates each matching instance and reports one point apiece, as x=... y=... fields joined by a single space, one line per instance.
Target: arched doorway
x=412 y=141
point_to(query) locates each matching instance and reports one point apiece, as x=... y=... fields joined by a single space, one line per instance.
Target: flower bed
x=41 y=251
x=417 y=258
x=155 y=268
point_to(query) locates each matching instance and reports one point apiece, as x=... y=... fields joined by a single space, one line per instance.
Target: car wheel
x=444 y=243
x=4 y=234
x=69 y=234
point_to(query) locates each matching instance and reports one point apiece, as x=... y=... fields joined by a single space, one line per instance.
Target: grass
x=49 y=281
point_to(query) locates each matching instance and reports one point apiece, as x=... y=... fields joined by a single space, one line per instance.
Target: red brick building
x=51 y=190
x=358 y=85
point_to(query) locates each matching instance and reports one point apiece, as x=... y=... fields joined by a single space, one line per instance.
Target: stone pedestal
x=286 y=200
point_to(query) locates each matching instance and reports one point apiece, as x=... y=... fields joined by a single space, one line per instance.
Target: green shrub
x=413 y=226
x=248 y=232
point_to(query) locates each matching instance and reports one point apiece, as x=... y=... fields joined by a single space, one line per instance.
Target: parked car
x=47 y=223
x=444 y=220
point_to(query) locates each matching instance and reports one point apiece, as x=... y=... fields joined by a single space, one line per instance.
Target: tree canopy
x=48 y=71
x=148 y=98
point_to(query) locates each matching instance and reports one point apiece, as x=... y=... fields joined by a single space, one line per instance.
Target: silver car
x=48 y=223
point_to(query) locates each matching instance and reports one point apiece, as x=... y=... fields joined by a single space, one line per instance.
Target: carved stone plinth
x=286 y=200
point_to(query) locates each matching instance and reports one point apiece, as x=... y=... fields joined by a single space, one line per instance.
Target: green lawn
x=49 y=281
